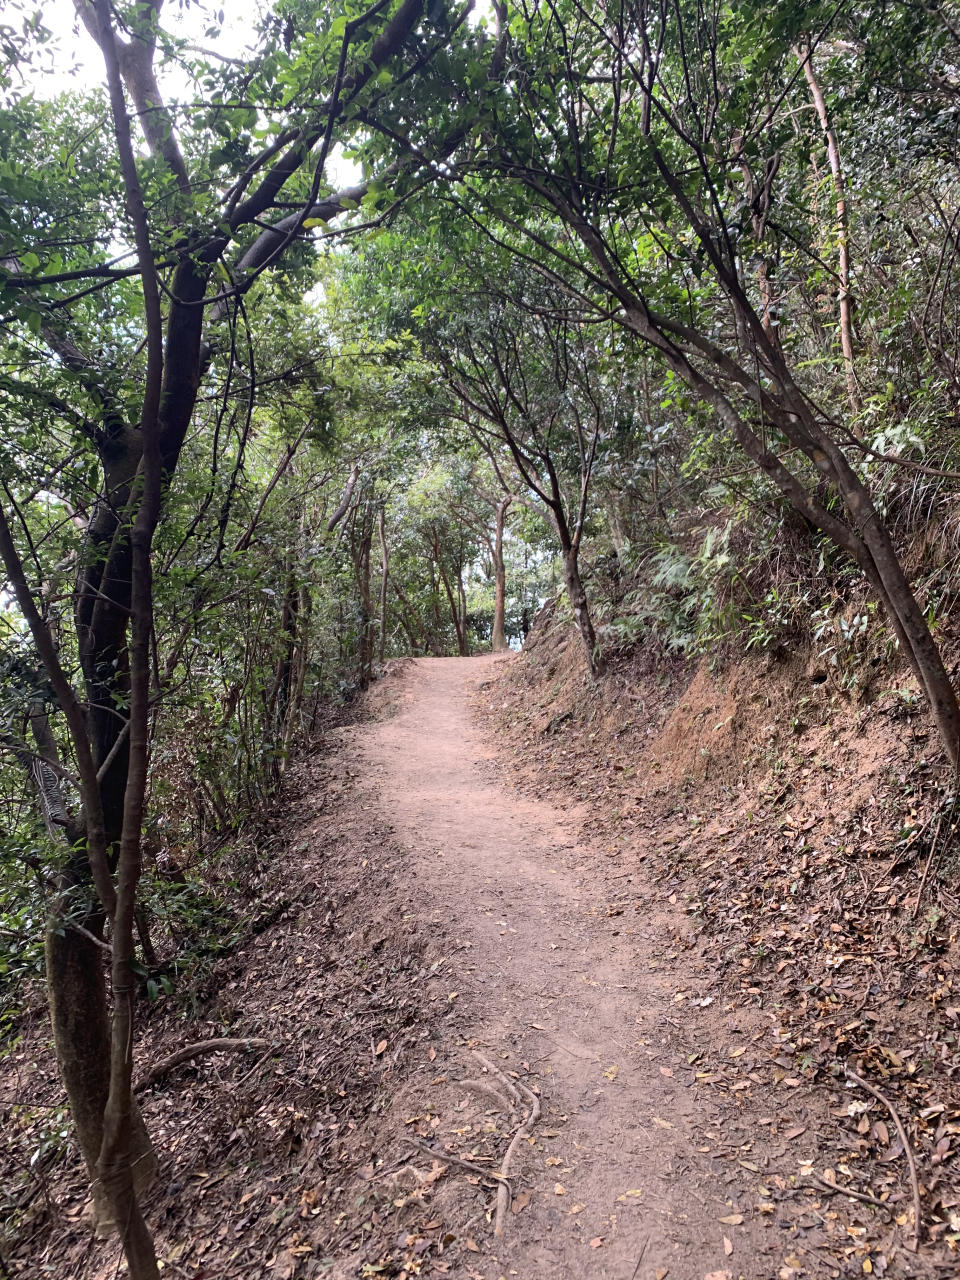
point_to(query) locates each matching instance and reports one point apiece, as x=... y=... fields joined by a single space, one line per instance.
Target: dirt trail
x=553 y=984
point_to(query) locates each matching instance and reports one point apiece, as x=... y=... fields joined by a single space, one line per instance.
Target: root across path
x=627 y=1172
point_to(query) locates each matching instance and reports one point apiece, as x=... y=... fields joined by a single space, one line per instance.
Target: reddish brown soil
x=632 y=1168
x=794 y=846
x=430 y=909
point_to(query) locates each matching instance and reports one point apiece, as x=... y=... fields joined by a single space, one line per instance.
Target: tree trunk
x=843 y=238
x=408 y=620
x=451 y=601
x=279 y=704
x=462 y=603
x=295 y=709
x=81 y=1036
x=499 y=640
x=581 y=612
x=384 y=580
x=362 y=541
x=434 y=636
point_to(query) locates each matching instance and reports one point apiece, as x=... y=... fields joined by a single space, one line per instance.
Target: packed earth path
x=620 y=1174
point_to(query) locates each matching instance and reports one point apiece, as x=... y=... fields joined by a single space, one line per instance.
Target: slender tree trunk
x=581 y=611
x=434 y=637
x=363 y=539
x=843 y=239
x=408 y=621
x=284 y=679
x=451 y=601
x=295 y=709
x=384 y=580
x=499 y=640
x=462 y=603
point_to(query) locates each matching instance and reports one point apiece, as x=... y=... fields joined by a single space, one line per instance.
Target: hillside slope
x=803 y=846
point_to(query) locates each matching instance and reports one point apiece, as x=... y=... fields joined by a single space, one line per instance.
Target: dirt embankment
x=801 y=841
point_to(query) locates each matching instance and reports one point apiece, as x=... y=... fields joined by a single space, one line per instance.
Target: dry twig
x=457 y=1161
x=907 y=1151
x=831 y=1187
x=935 y=843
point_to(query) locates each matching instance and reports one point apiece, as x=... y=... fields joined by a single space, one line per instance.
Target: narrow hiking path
x=629 y=1169
x=409 y=907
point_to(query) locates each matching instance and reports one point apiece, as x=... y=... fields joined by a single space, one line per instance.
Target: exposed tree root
x=457 y=1161
x=515 y=1089
x=907 y=1151
x=195 y=1050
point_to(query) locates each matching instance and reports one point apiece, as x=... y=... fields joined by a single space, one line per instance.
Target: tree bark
x=384 y=579
x=408 y=620
x=843 y=239
x=362 y=543
x=577 y=596
x=499 y=640
x=295 y=709
x=81 y=1034
x=458 y=624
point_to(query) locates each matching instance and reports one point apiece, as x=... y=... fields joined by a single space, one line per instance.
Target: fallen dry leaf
x=520 y=1201
x=732 y=1220
x=596 y=1242
x=380 y=1048
x=727 y=1246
